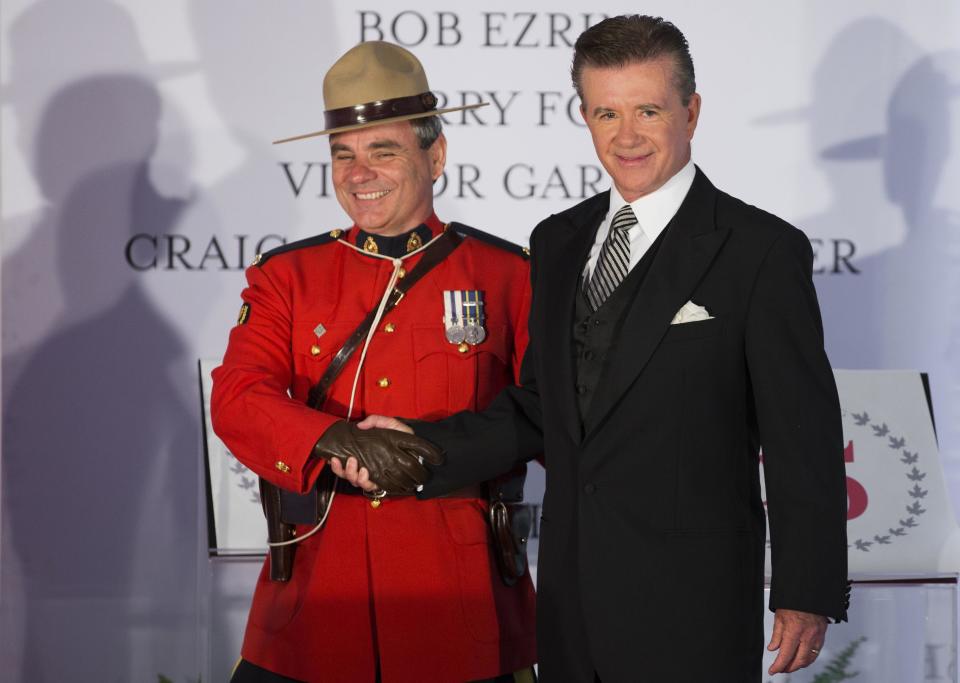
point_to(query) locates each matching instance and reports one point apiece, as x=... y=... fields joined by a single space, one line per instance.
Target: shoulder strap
x=433 y=255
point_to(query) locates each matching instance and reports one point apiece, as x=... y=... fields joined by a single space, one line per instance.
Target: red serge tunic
x=413 y=583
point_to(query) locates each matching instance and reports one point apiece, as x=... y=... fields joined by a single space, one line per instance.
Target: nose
x=360 y=172
x=628 y=133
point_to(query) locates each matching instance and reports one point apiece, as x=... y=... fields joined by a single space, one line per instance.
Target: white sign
x=234 y=495
x=899 y=518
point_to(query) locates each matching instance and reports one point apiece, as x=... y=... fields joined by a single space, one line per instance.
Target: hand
x=799 y=636
x=352 y=471
x=354 y=474
x=383 y=422
x=392 y=460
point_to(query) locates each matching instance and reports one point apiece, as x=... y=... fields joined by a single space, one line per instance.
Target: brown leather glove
x=393 y=458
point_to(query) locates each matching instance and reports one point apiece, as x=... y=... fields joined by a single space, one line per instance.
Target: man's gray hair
x=427 y=130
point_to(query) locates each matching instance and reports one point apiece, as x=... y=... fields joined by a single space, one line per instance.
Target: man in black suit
x=674 y=332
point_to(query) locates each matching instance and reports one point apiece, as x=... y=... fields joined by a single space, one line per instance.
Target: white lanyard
x=394 y=276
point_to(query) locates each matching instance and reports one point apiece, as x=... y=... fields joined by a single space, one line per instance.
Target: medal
x=475 y=335
x=464 y=316
x=452 y=322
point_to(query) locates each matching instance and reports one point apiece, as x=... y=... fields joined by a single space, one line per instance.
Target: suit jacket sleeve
x=251 y=409
x=798 y=420
x=481 y=446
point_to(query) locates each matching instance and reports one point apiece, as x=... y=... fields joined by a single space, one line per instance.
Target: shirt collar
x=654 y=210
x=396 y=246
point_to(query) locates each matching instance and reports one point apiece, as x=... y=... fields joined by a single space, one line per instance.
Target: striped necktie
x=614 y=261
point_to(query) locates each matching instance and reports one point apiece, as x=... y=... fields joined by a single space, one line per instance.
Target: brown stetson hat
x=374 y=83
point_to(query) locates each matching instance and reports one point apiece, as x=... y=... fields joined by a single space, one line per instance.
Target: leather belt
x=474 y=491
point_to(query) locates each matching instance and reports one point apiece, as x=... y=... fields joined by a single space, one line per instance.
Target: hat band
x=380 y=110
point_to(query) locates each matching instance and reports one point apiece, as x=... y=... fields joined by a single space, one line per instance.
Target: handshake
x=378 y=453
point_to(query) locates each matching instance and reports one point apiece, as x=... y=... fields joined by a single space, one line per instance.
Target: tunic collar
x=397 y=246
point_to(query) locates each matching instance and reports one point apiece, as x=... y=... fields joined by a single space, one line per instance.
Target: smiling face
x=382 y=178
x=641 y=129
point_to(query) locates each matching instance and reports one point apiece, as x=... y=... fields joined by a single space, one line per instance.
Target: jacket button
x=463 y=347
x=281 y=466
x=314 y=350
x=383 y=382
x=581 y=389
x=589 y=489
x=588 y=355
x=389 y=327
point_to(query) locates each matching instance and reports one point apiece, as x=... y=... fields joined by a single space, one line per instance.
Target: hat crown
x=372 y=72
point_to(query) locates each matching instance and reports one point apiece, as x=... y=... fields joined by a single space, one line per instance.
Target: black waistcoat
x=596 y=333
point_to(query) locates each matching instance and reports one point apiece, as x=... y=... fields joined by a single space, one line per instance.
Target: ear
x=693 y=114
x=438 y=156
x=583 y=112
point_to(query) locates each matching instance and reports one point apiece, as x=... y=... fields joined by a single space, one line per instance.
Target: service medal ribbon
x=452 y=320
x=473 y=315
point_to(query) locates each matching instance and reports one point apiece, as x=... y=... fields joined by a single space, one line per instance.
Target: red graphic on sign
x=856 y=494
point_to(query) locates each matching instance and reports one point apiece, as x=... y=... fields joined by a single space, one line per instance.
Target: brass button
x=314 y=350
x=282 y=466
x=526 y=251
x=389 y=327
x=401 y=273
x=383 y=382
x=464 y=347
x=375 y=503
x=335 y=234
x=257 y=259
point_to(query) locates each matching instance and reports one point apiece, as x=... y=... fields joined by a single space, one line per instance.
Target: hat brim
x=379 y=122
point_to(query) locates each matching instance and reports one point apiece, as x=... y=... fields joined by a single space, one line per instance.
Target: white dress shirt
x=653 y=211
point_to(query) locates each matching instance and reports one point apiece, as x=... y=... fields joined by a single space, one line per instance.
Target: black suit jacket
x=652 y=535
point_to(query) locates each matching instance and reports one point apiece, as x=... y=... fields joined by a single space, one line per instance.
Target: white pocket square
x=690 y=313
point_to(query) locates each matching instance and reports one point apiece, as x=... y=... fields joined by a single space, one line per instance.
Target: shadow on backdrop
x=99 y=486
x=909 y=297
x=914 y=284
x=889 y=188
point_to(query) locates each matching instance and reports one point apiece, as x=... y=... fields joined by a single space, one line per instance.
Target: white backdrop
x=137 y=179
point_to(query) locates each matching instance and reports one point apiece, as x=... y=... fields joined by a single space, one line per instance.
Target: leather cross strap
x=432 y=255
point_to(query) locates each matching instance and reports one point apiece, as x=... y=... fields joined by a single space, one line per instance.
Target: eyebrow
x=376 y=144
x=385 y=144
x=646 y=105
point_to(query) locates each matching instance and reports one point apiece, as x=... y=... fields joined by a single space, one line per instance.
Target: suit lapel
x=689 y=247
x=569 y=245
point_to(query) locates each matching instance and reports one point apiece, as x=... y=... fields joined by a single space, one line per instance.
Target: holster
x=284 y=510
x=510 y=522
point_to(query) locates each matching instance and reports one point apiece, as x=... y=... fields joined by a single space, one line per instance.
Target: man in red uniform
x=391 y=589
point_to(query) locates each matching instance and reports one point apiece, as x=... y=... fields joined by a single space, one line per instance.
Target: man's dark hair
x=628 y=39
x=427 y=130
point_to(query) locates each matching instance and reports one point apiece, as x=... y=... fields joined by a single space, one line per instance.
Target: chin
x=368 y=221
